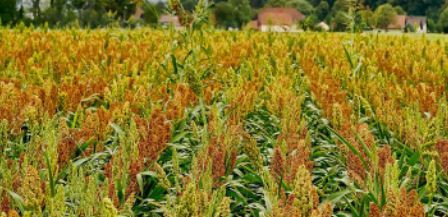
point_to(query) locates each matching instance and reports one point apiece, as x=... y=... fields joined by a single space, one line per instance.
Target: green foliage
x=322 y=10
x=151 y=13
x=224 y=14
x=257 y=3
x=301 y=5
x=122 y=8
x=58 y=14
x=368 y=19
x=310 y=22
x=189 y=5
x=341 y=21
x=233 y=13
x=443 y=21
x=384 y=16
x=400 y=10
x=340 y=6
x=8 y=13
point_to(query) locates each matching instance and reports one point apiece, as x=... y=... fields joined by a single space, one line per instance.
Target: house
x=416 y=24
x=170 y=20
x=398 y=24
x=277 y=20
x=403 y=23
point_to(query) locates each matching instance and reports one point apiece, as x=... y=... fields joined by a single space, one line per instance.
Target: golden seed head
x=224 y=207
x=31 y=188
x=109 y=208
x=303 y=188
x=431 y=179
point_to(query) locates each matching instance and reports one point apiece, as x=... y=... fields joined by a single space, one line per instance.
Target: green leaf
x=140 y=182
x=349 y=57
x=50 y=176
x=174 y=62
x=337 y=196
x=18 y=199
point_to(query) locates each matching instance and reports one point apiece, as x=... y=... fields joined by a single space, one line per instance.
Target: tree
x=301 y=5
x=233 y=13
x=224 y=15
x=430 y=8
x=57 y=13
x=92 y=13
x=243 y=11
x=310 y=22
x=385 y=15
x=91 y=18
x=400 y=10
x=376 y=3
x=339 y=8
x=367 y=17
x=340 y=5
x=35 y=9
x=322 y=10
x=257 y=3
x=189 y=4
x=316 y=2
x=79 y=6
x=123 y=8
x=150 y=13
x=341 y=21
x=339 y=16
x=161 y=7
x=8 y=11
x=443 y=20
x=432 y=26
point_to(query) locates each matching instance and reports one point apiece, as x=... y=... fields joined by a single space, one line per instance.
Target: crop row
x=207 y=123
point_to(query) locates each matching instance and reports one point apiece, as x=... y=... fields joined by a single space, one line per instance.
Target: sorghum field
x=211 y=124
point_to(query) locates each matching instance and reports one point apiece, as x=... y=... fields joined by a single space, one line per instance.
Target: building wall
x=424 y=29
x=278 y=28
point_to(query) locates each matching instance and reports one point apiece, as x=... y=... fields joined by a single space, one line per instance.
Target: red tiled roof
x=279 y=16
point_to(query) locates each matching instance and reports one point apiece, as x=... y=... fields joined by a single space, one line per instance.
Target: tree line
x=338 y=14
